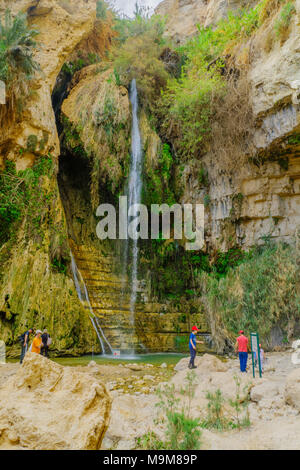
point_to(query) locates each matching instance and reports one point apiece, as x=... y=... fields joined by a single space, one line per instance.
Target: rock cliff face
x=91 y=101
x=32 y=292
x=62 y=25
x=252 y=200
x=183 y=16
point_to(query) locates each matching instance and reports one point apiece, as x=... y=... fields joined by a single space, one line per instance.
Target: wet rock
x=92 y=364
x=134 y=367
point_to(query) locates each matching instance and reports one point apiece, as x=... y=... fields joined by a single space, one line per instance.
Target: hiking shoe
x=194 y=367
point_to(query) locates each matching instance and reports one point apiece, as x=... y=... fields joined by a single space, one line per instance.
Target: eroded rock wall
x=248 y=199
x=158 y=326
x=183 y=16
x=32 y=291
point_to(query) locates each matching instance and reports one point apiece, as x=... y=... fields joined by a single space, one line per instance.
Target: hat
x=37 y=332
x=241 y=332
x=195 y=328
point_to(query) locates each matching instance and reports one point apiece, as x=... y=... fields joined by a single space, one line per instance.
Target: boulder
x=131 y=417
x=205 y=363
x=46 y=406
x=263 y=391
x=292 y=389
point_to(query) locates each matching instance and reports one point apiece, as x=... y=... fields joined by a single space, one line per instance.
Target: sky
x=127 y=6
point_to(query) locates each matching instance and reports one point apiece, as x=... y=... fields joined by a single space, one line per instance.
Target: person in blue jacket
x=192 y=346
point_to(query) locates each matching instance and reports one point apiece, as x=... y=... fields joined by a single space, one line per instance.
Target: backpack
x=21 y=338
x=49 y=341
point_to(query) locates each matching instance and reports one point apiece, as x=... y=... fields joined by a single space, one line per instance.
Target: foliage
x=159 y=181
x=11 y=199
x=101 y=10
x=284 y=18
x=204 y=93
x=60 y=265
x=20 y=195
x=71 y=67
x=17 y=64
x=138 y=56
x=240 y=404
x=264 y=285
x=182 y=432
x=215 y=418
x=218 y=419
x=163 y=255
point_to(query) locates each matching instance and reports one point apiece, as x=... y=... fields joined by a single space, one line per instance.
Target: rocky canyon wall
x=248 y=201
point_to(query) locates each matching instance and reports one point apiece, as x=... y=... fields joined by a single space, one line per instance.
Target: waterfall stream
x=134 y=193
x=84 y=297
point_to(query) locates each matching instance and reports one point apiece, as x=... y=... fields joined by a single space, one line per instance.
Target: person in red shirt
x=242 y=346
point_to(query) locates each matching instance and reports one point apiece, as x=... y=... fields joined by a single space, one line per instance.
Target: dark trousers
x=243 y=356
x=23 y=352
x=192 y=359
x=44 y=350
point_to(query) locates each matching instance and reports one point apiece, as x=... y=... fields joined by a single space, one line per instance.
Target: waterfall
x=84 y=297
x=134 y=192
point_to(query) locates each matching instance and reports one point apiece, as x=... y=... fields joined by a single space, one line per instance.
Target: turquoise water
x=155 y=359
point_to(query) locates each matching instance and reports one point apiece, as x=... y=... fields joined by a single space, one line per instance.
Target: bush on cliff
x=208 y=105
x=17 y=64
x=261 y=294
x=139 y=56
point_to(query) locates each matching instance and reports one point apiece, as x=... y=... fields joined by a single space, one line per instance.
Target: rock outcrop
x=292 y=389
x=62 y=25
x=46 y=406
x=251 y=200
x=98 y=115
x=33 y=292
x=183 y=16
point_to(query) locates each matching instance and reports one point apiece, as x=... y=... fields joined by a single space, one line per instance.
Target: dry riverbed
x=273 y=408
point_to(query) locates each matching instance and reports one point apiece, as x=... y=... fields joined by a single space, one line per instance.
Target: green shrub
x=218 y=418
x=21 y=195
x=158 y=186
x=192 y=102
x=17 y=64
x=215 y=418
x=258 y=294
x=182 y=432
x=138 y=57
x=101 y=10
x=284 y=18
x=240 y=405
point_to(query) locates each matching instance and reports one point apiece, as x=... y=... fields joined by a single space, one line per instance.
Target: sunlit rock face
x=47 y=406
x=31 y=292
x=183 y=16
x=62 y=25
x=251 y=201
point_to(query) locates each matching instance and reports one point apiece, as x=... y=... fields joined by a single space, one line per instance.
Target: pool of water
x=155 y=359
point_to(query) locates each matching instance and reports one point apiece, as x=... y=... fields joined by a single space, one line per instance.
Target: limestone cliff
x=97 y=116
x=248 y=201
x=247 y=197
x=62 y=25
x=36 y=290
x=183 y=16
